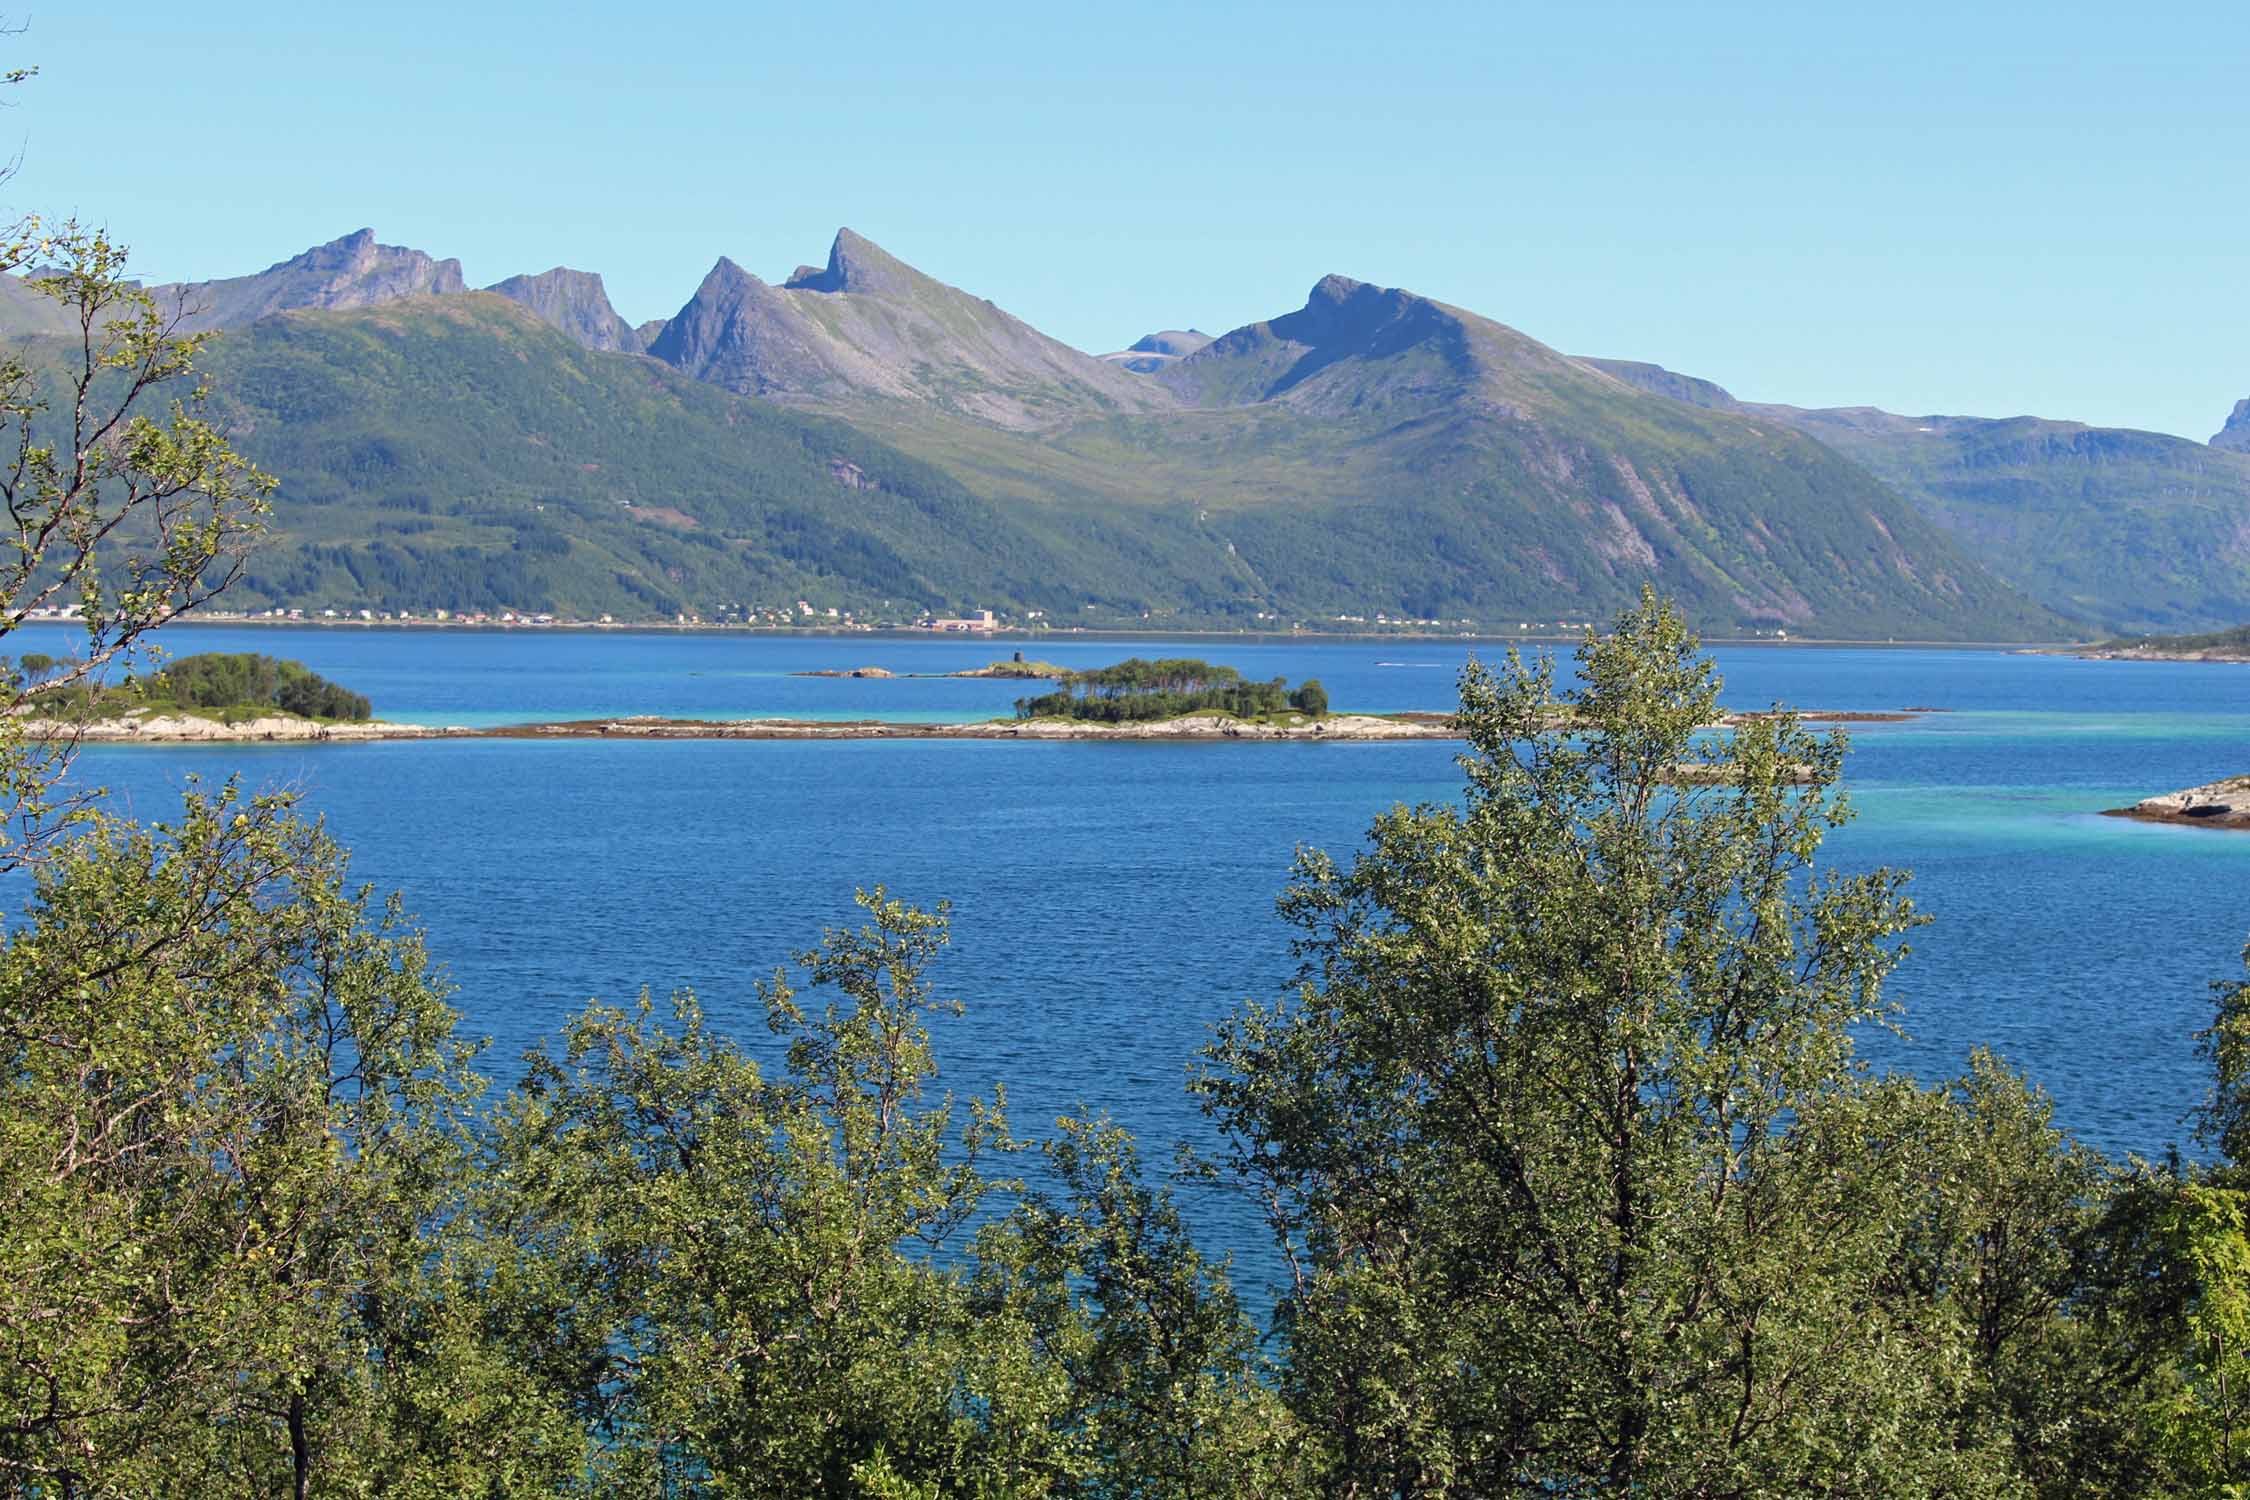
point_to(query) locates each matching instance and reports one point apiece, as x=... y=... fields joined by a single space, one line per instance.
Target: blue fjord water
x=1111 y=901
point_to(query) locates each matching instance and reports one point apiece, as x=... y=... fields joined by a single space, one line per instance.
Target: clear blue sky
x=1989 y=209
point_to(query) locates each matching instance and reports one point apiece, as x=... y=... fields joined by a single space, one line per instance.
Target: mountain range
x=2133 y=531
x=863 y=434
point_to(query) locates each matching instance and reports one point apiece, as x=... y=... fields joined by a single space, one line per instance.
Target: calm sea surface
x=1111 y=901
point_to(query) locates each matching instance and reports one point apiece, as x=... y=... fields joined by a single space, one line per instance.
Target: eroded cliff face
x=349 y=272
x=577 y=303
x=2235 y=436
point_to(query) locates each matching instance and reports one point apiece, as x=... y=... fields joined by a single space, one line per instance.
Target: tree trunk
x=300 y=1451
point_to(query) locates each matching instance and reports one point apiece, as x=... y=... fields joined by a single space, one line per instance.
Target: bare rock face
x=350 y=272
x=575 y=302
x=2220 y=804
x=2235 y=436
x=866 y=328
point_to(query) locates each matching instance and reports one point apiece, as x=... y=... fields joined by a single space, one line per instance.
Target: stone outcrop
x=2219 y=804
x=2235 y=436
x=575 y=302
x=350 y=272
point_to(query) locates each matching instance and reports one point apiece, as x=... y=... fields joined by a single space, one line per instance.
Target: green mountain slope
x=2134 y=531
x=1375 y=452
x=459 y=452
x=892 y=438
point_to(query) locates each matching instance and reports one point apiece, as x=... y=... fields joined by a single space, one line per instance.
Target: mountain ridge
x=868 y=326
x=1372 y=451
x=347 y=272
x=577 y=303
x=2136 y=531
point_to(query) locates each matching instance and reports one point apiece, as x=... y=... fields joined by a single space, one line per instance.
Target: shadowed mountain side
x=867 y=327
x=2134 y=531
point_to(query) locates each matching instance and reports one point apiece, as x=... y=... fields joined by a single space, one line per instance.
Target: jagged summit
x=351 y=271
x=2235 y=436
x=857 y=264
x=869 y=327
x=574 y=301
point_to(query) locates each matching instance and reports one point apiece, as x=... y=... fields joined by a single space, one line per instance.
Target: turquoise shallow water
x=1111 y=901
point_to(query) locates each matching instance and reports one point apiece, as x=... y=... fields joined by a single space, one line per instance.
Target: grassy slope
x=2231 y=642
x=458 y=452
x=2133 y=530
x=1401 y=482
x=2136 y=530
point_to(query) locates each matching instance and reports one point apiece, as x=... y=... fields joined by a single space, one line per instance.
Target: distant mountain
x=24 y=311
x=1485 y=472
x=555 y=477
x=575 y=302
x=2135 y=531
x=867 y=327
x=1153 y=351
x=350 y=272
x=1374 y=452
x=2235 y=436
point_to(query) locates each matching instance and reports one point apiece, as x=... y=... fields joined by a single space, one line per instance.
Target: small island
x=246 y=698
x=211 y=696
x=1140 y=691
x=2219 y=804
x=1015 y=670
x=2218 y=645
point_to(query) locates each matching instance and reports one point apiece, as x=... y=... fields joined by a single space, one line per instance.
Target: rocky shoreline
x=152 y=728
x=2148 y=653
x=2219 y=804
x=180 y=729
x=1188 y=727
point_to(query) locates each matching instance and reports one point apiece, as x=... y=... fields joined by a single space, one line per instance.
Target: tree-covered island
x=1137 y=690
x=222 y=686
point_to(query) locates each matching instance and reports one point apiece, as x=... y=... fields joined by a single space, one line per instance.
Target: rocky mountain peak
x=576 y=302
x=2235 y=436
x=724 y=273
x=859 y=265
x=351 y=271
x=355 y=258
